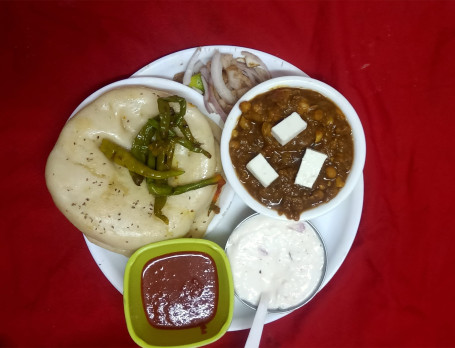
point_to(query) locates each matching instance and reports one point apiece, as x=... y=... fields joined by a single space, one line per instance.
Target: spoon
x=254 y=337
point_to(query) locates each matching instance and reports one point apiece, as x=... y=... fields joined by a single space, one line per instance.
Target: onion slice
x=253 y=61
x=189 y=69
x=216 y=70
x=241 y=74
x=211 y=104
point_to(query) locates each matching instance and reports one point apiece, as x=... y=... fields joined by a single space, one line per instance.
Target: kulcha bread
x=100 y=198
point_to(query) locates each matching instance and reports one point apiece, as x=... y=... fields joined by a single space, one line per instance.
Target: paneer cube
x=262 y=170
x=310 y=167
x=288 y=128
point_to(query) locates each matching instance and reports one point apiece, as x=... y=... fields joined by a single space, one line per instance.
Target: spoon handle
x=254 y=337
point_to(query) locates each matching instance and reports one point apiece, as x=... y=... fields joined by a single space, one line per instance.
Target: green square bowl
x=139 y=328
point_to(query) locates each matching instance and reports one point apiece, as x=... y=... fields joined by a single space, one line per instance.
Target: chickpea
x=274 y=115
x=266 y=129
x=318 y=114
x=330 y=172
x=234 y=144
x=318 y=195
x=302 y=106
x=329 y=120
x=318 y=136
x=339 y=182
x=257 y=107
x=244 y=124
x=245 y=106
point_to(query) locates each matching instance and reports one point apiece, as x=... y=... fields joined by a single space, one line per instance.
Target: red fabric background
x=393 y=60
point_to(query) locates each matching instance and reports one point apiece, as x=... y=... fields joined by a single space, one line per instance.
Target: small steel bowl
x=309 y=296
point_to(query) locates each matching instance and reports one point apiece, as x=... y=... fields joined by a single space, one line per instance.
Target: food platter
x=338 y=228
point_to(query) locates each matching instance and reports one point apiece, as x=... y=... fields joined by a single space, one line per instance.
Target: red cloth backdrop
x=393 y=60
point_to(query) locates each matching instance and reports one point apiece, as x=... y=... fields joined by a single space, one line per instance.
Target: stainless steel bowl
x=309 y=296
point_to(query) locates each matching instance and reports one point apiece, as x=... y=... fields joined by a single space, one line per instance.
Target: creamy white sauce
x=283 y=258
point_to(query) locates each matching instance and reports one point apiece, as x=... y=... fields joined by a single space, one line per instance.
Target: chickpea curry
x=327 y=132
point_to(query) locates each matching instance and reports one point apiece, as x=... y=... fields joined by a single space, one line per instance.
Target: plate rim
x=257 y=52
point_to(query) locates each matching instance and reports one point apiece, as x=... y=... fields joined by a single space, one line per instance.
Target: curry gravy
x=327 y=131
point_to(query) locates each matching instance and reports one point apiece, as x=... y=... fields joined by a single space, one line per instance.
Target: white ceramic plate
x=338 y=228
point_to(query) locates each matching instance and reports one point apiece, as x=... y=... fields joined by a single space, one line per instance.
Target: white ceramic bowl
x=304 y=83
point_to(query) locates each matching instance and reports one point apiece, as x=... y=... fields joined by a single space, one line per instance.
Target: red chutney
x=180 y=290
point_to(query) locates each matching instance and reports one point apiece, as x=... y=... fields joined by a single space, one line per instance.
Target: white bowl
x=304 y=83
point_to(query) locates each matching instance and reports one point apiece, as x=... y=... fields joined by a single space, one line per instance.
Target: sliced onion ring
x=216 y=71
x=253 y=60
x=189 y=69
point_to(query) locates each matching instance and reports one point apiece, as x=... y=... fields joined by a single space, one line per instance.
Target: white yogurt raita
x=286 y=259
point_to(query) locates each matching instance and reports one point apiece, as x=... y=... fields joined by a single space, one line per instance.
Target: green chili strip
x=159 y=147
x=152 y=153
x=163 y=189
x=161 y=161
x=137 y=179
x=139 y=148
x=151 y=161
x=123 y=157
x=190 y=142
x=170 y=153
x=160 y=202
x=182 y=104
x=158 y=188
x=165 y=117
x=194 y=147
x=197 y=185
x=185 y=129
